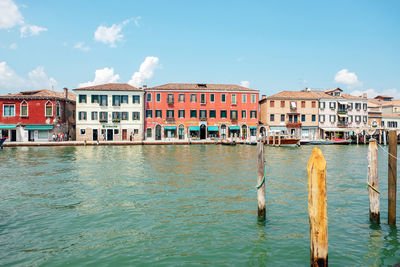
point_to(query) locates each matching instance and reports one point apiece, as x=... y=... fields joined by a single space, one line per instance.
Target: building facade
x=109 y=112
x=183 y=111
x=37 y=115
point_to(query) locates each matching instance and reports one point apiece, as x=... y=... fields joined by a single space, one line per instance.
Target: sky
x=265 y=45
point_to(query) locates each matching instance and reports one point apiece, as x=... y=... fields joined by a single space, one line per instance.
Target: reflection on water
x=182 y=205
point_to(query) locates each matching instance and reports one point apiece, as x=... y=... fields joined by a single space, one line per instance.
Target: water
x=183 y=205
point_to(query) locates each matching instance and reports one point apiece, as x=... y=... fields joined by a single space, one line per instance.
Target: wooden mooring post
x=392 y=177
x=373 y=186
x=260 y=181
x=317 y=208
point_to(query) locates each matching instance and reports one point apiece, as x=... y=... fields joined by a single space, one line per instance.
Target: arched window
x=24 y=109
x=49 y=109
x=181 y=131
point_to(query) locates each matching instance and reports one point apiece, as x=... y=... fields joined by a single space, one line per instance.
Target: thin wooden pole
x=357 y=139
x=380 y=137
x=392 y=177
x=373 y=186
x=279 y=139
x=384 y=137
x=273 y=139
x=260 y=181
x=317 y=211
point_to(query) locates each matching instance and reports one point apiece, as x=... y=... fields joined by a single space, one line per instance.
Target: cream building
x=109 y=112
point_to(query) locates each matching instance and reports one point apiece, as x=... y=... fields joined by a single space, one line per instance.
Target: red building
x=200 y=111
x=37 y=115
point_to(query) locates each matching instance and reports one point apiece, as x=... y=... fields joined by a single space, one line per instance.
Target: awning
x=234 y=128
x=336 y=129
x=253 y=127
x=8 y=126
x=293 y=104
x=277 y=128
x=170 y=127
x=309 y=127
x=194 y=128
x=342 y=102
x=342 y=115
x=213 y=128
x=39 y=127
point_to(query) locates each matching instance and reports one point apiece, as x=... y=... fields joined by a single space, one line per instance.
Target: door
x=110 y=134
x=31 y=135
x=13 y=135
x=203 y=132
x=158 y=132
x=124 y=134
x=95 y=135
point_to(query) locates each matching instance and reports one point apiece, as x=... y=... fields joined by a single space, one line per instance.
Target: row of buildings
x=187 y=111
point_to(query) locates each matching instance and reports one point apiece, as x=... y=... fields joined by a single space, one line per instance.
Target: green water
x=183 y=205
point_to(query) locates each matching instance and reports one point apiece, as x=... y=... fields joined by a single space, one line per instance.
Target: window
x=8 y=110
x=303 y=117
x=213 y=114
x=212 y=98
x=203 y=114
x=313 y=117
x=170 y=98
x=149 y=113
x=332 y=118
x=223 y=114
x=116 y=100
x=313 y=104
x=95 y=99
x=244 y=98
x=321 y=118
x=234 y=115
x=181 y=113
x=332 y=105
x=24 y=109
x=383 y=123
x=124 y=116
x=358 y=106
x=83 y=131
x=282 y=117
x=365 y=106
x=58 y=110
x=135 y=115
x=116 y=131
x=233 y=99
x=350 y=118
x=82 y=115
x=148 y=132
x=253 y=99
x=290 y=118
x=49 y=109
x=223 y=98
x=181 y=98
x=148 y=99
x=193 y=98
x=124 y=99
x=365 y=119
x=202 y=98
x=271 y=117
x=282 y=104
x=135 y=131
x=303 y=104
x=82 y=98
x=158 y=97
x=170 y=114
x=253 y=114
x=322 y=105
x=357 y=118
x=103 y=100
x=158 y=113
x=116 y=116
x=193 y=113
x=136 y=99
x=350 y=106
x=272 y=104
x=95 y=116
x=243 y=114
x=103 y=116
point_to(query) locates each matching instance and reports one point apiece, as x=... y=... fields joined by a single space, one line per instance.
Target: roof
x=353 y=97
x=390 y=115
x=201 y=87
x=383 y=96
x=333 y=90
x=300 y=95
x=109 y=87
x=40 y=94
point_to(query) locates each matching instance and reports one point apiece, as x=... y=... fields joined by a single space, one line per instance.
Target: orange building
x=200 y=111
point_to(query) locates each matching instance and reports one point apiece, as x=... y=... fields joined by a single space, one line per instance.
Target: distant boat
x=284 y=141
x=228 y=143
x=326 y=142
x=2 y=140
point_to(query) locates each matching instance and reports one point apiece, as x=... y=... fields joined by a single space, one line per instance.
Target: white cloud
x=31 y=30
x=82 y=46
x=146 y=71
x=13 y=46
x=371 y=93
x=344 y=76
x=136 y=21
x=110 y=35
x=38 y=79
x=245 y=84
x=102 y=76
x=9 y=14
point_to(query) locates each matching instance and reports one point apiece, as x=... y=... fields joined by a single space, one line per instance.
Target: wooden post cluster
x=392 y=177
x=260 y=178
x=317 y=208
x=374 y=204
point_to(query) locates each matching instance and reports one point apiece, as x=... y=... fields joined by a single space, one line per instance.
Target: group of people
x=60 y=137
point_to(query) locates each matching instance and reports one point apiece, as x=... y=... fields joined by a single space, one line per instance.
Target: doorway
x=203 y=131
x=110 y=134
x=13 y=135
x=95 y=135
x=31 y=136
x=124 y=134
x=158 y=132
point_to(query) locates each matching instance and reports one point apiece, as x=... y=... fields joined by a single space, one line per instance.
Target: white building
x=113 y=111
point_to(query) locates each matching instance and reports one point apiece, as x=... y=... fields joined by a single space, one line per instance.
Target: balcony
x=170 y=101
x=342 y=124
x=170 y=120
x=293 y=125
x=234 y=119
x=116 y=120
x=203 y=118
x=103 y=120
x=342 y=111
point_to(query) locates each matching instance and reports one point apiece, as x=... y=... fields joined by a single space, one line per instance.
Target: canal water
x=183 y=205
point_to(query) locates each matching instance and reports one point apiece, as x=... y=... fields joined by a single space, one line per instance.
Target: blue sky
x=268 y=45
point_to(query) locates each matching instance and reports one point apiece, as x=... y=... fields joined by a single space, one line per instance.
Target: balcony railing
x=170 y=101
x=170 y=120
x=203 y=118
x=116 y=120
x=103 y=120
x=234 y=119
x=342 y=124
x=342 y=111
x=293 y=124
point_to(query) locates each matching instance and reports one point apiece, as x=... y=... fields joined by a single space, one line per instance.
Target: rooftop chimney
x=263 y=97
x=308 y=89
x=66 y=92
x=364 y=95
x=144 y=86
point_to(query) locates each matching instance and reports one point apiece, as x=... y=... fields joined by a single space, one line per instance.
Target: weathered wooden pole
x=380 y=137
x=392 y=177
x=273 y=139
x=373 y=186
x=260 y=181
x=384 y=137
x=279 y=140
x=317 y=211
x=357 y=139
